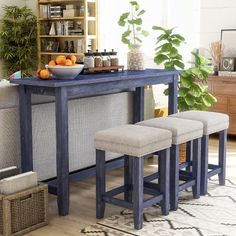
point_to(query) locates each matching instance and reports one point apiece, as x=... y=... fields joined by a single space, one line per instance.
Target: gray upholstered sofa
x=86 y=116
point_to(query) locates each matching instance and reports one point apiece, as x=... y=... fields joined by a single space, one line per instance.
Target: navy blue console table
x=82 y=86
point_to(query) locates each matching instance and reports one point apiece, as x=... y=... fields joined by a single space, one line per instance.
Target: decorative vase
x=135 y=58
x=52 y=29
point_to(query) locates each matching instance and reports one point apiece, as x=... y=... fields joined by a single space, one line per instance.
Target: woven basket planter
x=182 y=152
x=23 y=211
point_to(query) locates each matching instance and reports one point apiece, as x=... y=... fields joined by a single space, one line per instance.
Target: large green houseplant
x=18 y=47
x=193 y=91
x=133 y=34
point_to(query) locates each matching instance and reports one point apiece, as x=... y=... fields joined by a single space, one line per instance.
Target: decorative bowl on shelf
x=65 y=72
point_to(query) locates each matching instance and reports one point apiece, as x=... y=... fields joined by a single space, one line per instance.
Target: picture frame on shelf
x=51 y=46
x=228 y=39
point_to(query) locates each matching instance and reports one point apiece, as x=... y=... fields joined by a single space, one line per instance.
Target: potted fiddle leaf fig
x=18 y=47
x=193 y=90
x=166 y=51
x=133 y=35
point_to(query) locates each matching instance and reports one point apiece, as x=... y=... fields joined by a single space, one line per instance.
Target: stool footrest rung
x=212 y=166
x=186 y=185
x=152 y=200
x=214 y=172
x=151 y=177
x=116 y=191
x=118 y=202
x=151 y=185
x=185 y=164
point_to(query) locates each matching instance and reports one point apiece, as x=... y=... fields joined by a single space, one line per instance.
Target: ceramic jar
x=135 y=58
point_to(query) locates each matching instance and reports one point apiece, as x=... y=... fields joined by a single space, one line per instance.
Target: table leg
x=26 y=129
x=173 y=96
x=62 y=154
x=139 y=104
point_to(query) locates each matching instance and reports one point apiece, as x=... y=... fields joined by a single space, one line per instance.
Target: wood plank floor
x=82 y=201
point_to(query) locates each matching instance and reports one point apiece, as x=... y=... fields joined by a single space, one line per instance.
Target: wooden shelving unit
x=50 y=46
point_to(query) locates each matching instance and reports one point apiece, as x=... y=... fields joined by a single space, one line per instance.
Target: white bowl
x=65 y=72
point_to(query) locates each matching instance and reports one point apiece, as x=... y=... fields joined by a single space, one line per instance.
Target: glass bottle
x=106 y=61
x=88 y=60
x=114 y=58
x=98 y=59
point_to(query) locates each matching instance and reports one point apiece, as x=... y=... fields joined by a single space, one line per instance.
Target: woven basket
x=182 y=152
x=23 y=211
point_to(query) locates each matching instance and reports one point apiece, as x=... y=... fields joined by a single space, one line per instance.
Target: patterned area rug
x=211 y=215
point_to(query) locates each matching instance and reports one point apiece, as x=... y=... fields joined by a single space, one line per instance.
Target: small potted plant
x=133 y=35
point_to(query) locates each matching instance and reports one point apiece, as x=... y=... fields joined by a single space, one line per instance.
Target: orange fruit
x=52 y=63
x=69 y=62
x=44 y=74
x=61 y=60
x=73 y=58
x=38 y=71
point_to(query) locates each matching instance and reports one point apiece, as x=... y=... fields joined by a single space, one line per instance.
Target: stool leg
x=100 y=183
x=204 y=164
x=189 y=155
x=222 y=155
x=128 y=178
x=165 y=180
x=196 y=167
x=174 y=177
x=138 y=192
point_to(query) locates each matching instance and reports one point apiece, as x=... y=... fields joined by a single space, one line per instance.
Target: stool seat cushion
x=212 y=121
x=133 y=140
x=182 y=130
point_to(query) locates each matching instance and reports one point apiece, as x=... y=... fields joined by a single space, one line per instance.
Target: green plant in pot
x=133 y=35
x=193 y=90
x=18 y=47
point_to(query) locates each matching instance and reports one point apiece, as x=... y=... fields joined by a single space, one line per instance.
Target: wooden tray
x=103 y=69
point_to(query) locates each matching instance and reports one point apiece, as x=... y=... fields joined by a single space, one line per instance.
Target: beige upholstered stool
x=182 y=131
x=213 y=122
x=135 y=142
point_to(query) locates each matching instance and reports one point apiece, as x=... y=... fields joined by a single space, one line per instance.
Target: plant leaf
x=135 y=5
x=179 y=37
x=138 y=39
x=122 y=20
x=189 y=99
x=137 y=21
x=141 y=13
x=183 y=91
x=145 y=33
x=178 y=63
x=185 y=82
x=160 y=59
x=155 y=27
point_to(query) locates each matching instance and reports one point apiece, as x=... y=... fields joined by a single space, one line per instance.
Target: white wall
x=185 y=15
x=215 y=15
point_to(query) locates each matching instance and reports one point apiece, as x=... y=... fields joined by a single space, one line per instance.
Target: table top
x=97 y=78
